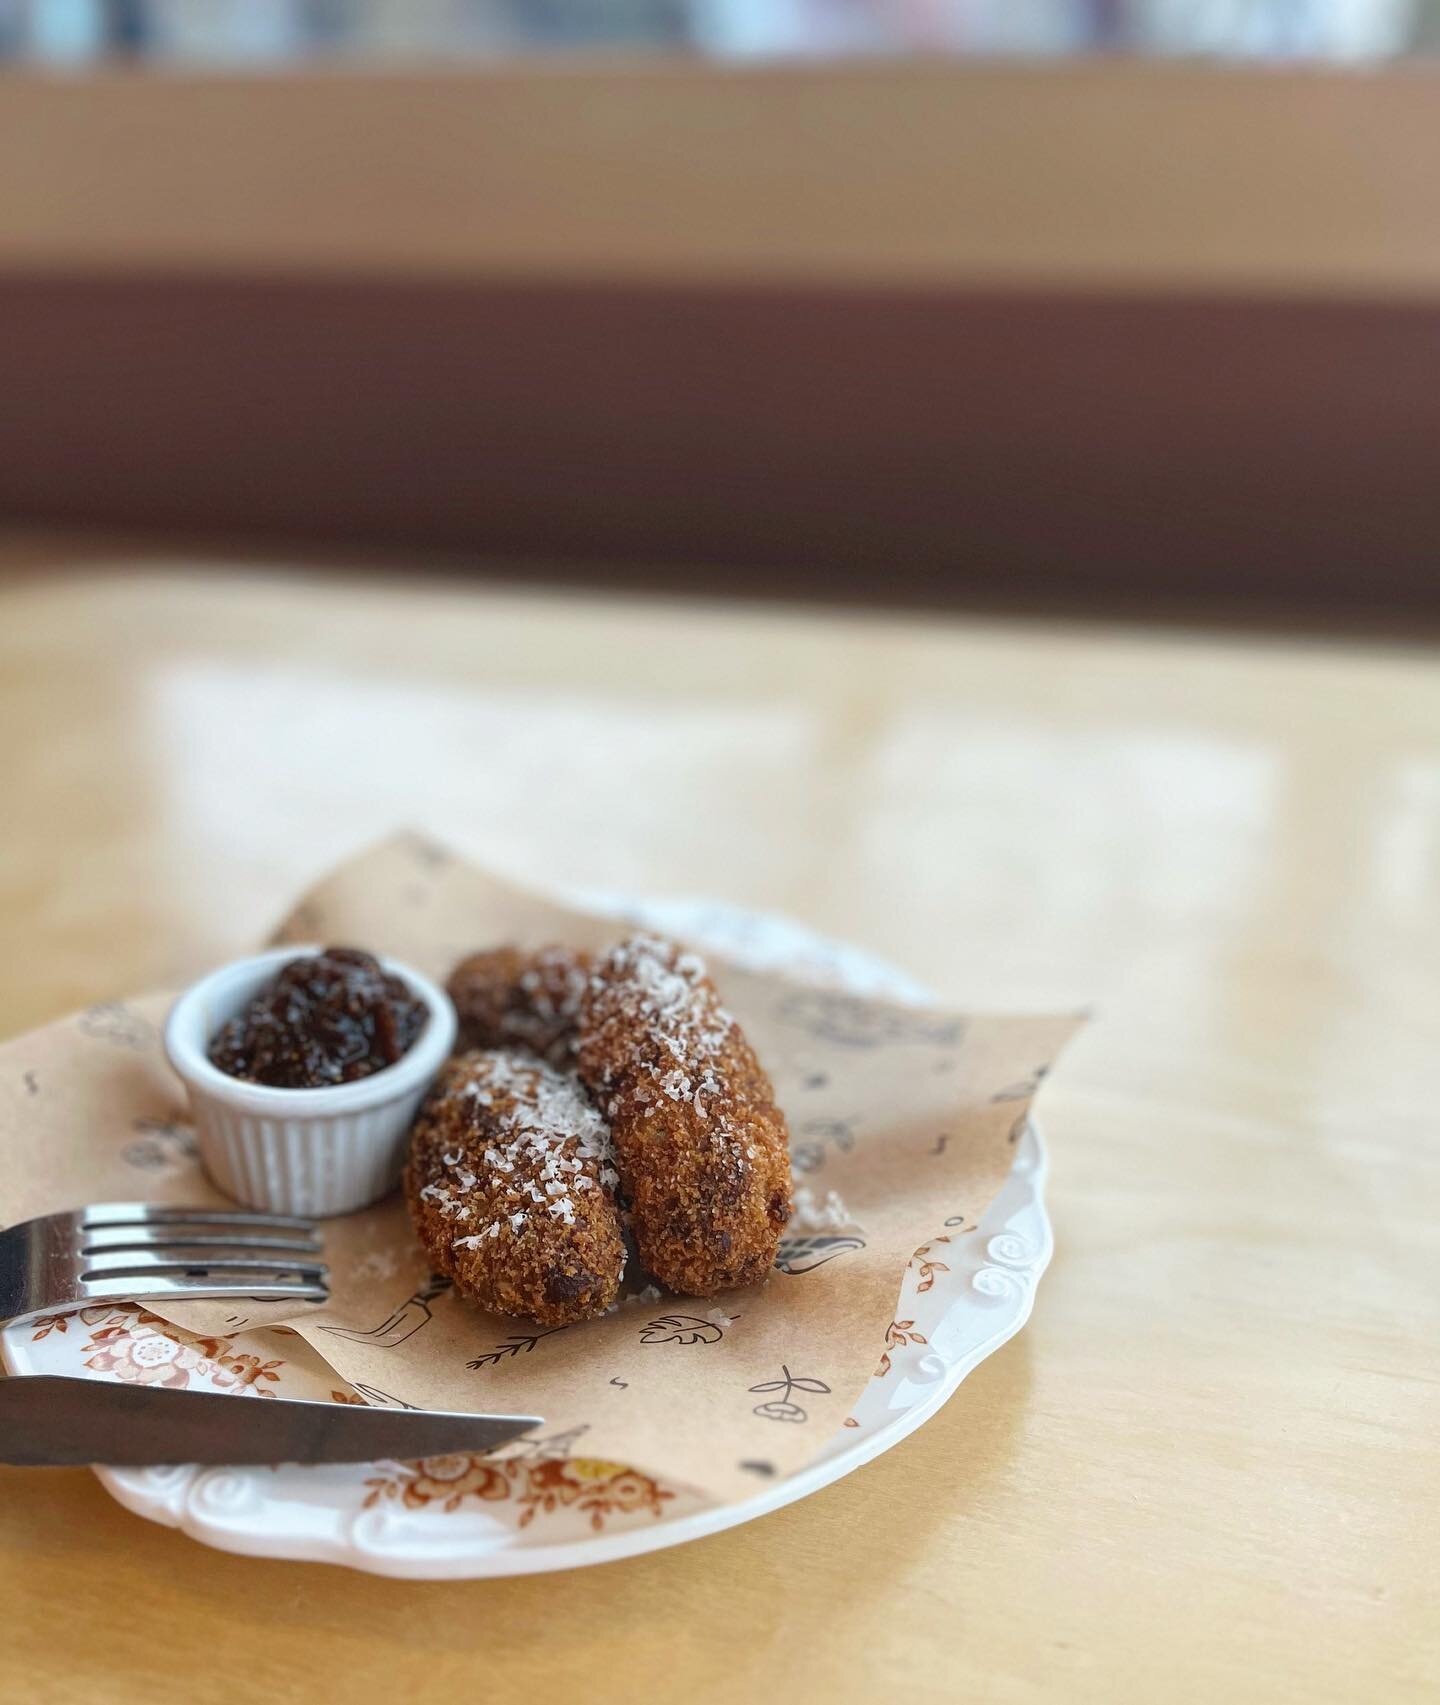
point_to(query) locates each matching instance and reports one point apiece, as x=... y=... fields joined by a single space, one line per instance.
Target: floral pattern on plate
x=128 y=1343
x=593 y=1488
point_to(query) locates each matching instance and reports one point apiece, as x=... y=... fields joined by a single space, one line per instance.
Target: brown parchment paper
x=908 y=1116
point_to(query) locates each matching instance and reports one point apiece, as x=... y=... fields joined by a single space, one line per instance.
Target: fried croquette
x=700 y=1145
x=511 y=1184
x=508 y=998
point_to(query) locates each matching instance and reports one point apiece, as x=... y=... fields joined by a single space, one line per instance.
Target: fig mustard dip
x=323 y=1019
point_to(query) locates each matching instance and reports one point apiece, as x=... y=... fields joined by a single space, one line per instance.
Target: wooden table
x=1207 y=1469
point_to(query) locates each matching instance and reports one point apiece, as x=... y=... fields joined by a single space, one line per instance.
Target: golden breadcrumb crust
x=511 y=1187
x=508 y=998
x=700 y=1145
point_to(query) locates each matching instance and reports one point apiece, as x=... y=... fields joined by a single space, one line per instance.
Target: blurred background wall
x=931 y=299
x=267 y=32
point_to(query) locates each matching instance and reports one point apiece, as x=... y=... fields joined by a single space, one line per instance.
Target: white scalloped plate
x=543 y=1508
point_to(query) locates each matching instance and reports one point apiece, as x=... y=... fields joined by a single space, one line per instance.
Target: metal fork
x=130 y=1252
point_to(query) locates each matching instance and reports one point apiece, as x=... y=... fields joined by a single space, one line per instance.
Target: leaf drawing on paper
x=805 y=1253
x=820 y=1136
x=684 y=1329
x=784 y=1408
x=852 y=1023
x=160 y=1143
x=113 y=1021
x=518 y=1344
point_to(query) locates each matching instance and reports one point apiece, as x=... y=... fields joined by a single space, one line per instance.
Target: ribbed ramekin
x=300 y=1151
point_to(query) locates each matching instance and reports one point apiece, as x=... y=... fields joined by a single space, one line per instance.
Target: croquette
x=700 y=1146
x=511 y=1184
x=508 y=998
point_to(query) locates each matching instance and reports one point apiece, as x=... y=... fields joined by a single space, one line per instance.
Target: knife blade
x=53 y=1421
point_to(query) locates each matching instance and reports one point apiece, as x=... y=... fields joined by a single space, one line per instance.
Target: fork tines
x=144 y=1213
x=125 y=1248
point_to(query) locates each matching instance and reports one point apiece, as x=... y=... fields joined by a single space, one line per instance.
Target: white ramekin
x=300 y=1151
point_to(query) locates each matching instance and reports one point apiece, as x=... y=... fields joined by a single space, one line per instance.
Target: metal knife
x=52 y=1421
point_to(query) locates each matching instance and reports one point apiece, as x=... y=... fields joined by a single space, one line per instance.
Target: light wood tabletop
x=1206 y=1470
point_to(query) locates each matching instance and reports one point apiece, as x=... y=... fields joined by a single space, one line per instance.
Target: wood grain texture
x=1207 y=1469
x=935 y=171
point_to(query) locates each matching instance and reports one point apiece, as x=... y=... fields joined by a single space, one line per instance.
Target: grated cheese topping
x=546 y=1143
